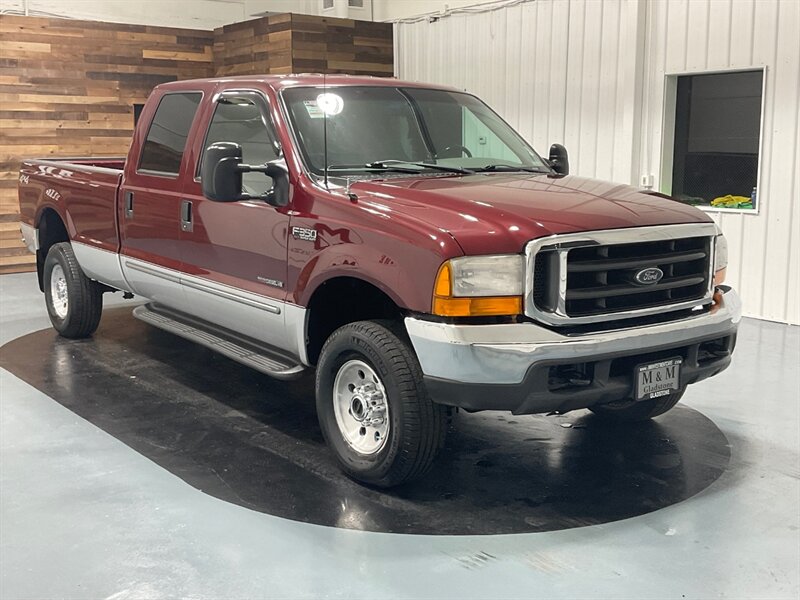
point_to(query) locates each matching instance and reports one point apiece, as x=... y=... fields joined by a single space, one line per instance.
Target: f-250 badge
x=307 y=235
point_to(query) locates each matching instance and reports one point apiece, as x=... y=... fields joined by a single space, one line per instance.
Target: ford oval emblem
x=649 y=276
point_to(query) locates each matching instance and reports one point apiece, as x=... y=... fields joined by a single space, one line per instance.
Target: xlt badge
x=302 y=233
x=272 y=282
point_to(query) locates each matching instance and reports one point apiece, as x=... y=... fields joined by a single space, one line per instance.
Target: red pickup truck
x=399 y=238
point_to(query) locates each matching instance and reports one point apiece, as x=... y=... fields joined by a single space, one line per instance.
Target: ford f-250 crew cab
x=401 y=239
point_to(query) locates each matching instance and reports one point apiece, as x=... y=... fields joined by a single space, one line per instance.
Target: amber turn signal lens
x=445 y=305
x=442 y=287
x=477 y=307
x=719 y=276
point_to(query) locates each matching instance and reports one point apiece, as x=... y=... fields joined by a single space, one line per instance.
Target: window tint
x=163 y=148
x=717 y=131
x=238 y=120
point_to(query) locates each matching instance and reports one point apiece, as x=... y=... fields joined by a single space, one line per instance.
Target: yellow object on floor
x=730 y=201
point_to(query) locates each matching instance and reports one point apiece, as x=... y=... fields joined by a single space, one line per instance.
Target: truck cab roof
x=279 y=82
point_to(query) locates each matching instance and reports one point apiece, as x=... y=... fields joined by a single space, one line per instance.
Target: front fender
x=370 y=265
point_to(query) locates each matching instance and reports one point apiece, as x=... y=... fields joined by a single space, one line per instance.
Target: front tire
x=643 y=410
x=74 y=302
x=373 y=408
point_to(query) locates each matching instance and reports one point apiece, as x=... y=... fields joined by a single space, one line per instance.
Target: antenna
x=325 y=129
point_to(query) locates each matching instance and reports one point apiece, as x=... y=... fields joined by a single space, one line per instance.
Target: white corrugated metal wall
x=591 y=74
x=705 y=35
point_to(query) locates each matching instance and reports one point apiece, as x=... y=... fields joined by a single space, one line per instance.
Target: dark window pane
x=137 y=112
x=166 y=139
x=717 y=131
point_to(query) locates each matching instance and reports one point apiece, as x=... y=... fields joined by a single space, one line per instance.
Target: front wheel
x=74 y=302
x=630 y=410
x=372 y=405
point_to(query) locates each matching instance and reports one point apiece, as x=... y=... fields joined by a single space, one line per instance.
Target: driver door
x=235 y=253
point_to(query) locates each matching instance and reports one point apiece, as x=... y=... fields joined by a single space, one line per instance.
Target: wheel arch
x=344 y=299
x=52 y=230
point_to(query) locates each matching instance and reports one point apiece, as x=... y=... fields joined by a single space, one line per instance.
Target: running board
x=247 y=352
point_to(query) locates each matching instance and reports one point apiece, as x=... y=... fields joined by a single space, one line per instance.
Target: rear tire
x=74 y=302
x=631 y=411
x=372 y=405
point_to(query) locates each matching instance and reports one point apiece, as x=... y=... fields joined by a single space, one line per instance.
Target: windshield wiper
x=372 y=169
x=379 y=164
x=510 y=168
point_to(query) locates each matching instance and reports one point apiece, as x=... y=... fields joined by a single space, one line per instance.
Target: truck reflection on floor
x=254 y=441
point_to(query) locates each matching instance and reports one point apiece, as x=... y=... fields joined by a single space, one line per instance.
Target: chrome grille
x=579 y=278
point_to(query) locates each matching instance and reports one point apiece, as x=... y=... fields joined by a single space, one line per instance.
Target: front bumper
x=526 y=368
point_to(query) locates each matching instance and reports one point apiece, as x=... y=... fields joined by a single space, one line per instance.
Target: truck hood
x=500 y=212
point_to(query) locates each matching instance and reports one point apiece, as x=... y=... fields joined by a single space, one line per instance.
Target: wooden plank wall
x=291 y=43
x=258 y=46
x=328 y=45
x=68 y=87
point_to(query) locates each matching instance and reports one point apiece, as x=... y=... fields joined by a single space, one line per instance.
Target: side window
x=166 y=139
x=240 y=121
x=482 y=141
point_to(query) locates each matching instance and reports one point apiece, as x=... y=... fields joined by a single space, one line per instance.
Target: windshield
x=374 y=125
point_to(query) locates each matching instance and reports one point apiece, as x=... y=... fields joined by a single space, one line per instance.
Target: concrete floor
x=84 y=516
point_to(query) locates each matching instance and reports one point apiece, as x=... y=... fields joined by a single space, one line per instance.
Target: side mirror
x=558 y=159
x=279 y=194
x=222 y=176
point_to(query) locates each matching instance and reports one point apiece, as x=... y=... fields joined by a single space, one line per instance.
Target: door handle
x=128 y=205
x=186 y=216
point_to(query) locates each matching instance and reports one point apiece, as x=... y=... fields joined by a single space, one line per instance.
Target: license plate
x=658 y=379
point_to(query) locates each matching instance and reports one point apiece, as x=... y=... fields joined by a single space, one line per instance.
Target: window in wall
x=355 y=3
x=327 y=4
x=137 y=112
x=166 y=139
x=717 y=133
x=238 y=120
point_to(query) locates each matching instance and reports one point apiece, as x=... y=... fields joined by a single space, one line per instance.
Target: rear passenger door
x=150 y=200
x=234 y=253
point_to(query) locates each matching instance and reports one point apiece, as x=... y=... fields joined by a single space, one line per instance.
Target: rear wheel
x=630 y=410
x=74 y=302
x=373 y=408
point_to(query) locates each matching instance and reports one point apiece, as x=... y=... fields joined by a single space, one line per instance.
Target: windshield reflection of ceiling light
x=330 y=104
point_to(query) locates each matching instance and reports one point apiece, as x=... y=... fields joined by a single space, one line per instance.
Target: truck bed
x=82 y=191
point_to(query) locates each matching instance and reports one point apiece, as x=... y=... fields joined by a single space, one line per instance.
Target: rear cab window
x=165 y=143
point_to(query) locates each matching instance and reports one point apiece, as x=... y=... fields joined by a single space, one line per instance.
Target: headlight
x=720 y=259
x=471 y=286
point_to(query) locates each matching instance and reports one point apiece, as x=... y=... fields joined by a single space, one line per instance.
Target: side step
x=247 y=352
